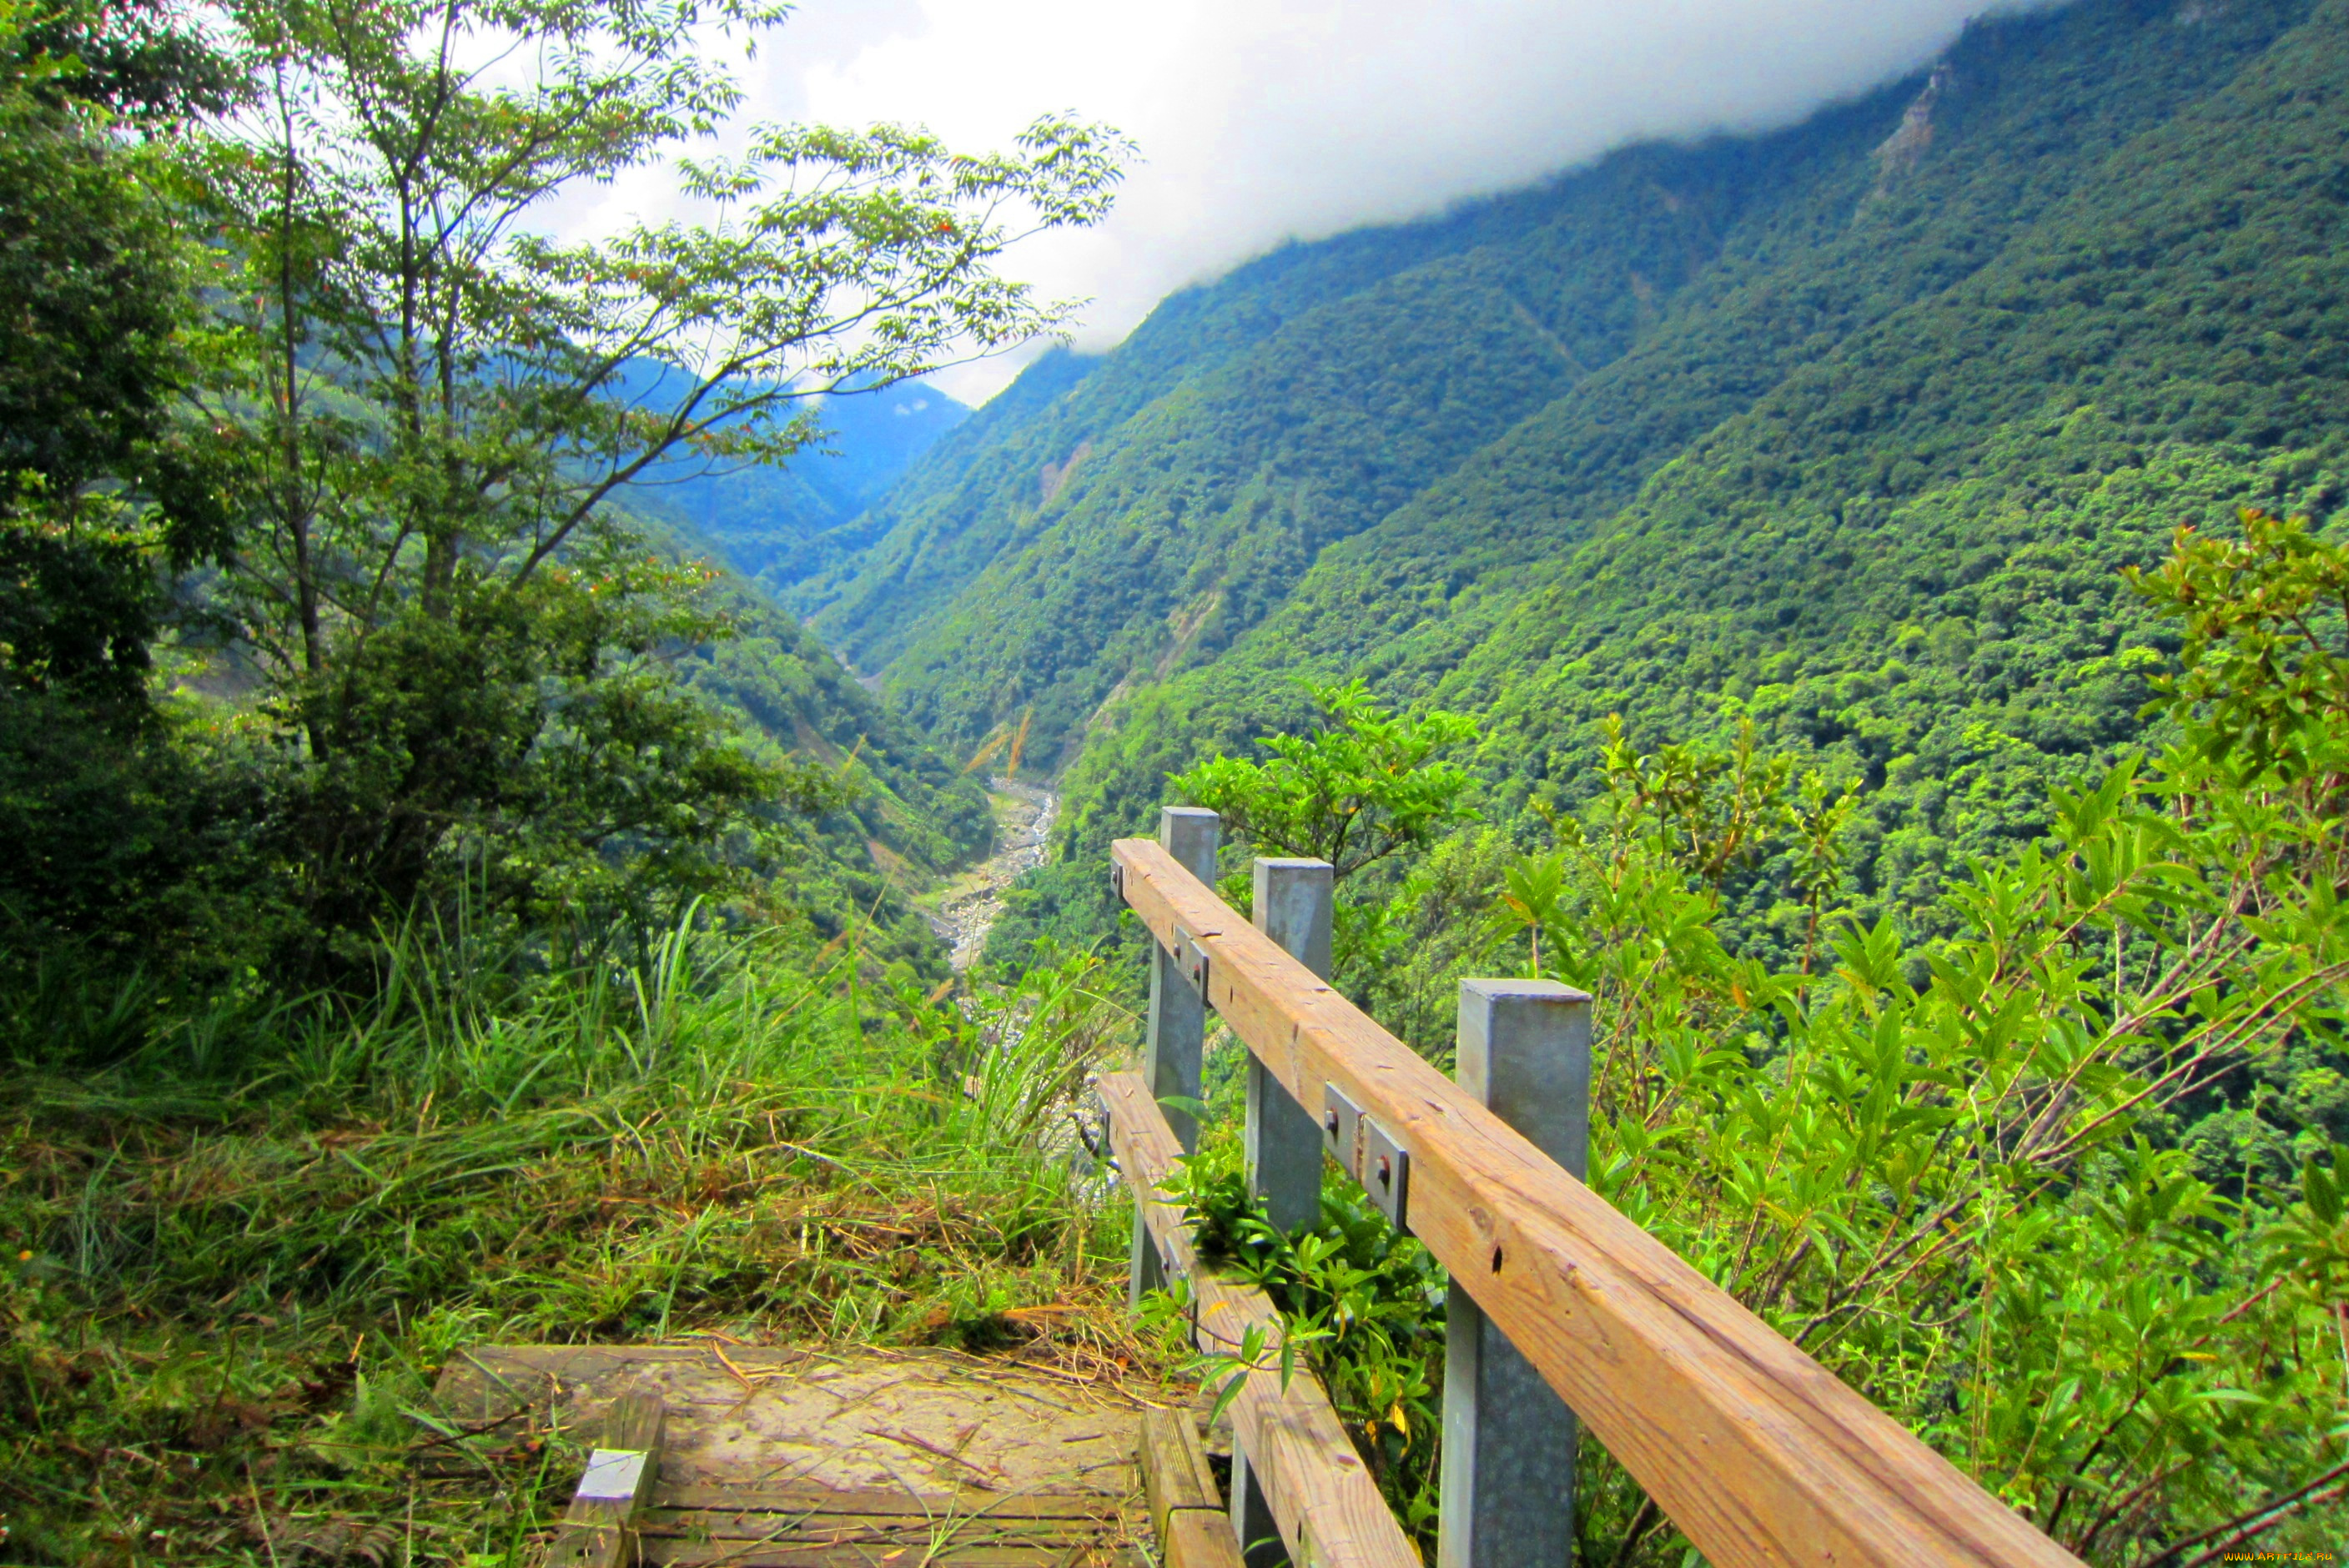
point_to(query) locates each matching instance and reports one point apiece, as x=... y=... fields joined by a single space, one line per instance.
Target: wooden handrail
x=1760 y=1455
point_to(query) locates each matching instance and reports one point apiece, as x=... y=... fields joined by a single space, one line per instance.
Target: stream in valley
x=967 y=911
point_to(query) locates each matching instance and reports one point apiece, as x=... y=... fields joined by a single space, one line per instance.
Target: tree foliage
x=2060 y=1188
x=1365 y=785
x=1978 y=1181
x=432 y=410
x=111 y=826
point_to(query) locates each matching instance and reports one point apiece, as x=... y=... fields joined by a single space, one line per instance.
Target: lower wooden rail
x=1186 y=1509
x=1326 y=1506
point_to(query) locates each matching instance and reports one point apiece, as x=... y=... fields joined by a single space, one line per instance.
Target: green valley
x=1846 y=429
x=559 y=786
x=1762 y=505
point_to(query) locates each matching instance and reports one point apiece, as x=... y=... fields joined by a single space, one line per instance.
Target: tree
x=1365 y=785
x=100 y=495
x=99 y=292
x=147 y=64
x=1976 y=1180
x=435 y=409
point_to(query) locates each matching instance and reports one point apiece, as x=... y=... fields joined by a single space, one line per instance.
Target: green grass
x=240 y=1251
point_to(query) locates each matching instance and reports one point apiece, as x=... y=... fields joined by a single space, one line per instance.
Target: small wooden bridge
x=1563 y=1315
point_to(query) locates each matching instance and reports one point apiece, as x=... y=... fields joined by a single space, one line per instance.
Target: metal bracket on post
x=1508 y=1453
x=1117 y=880
x=1341 y=1129
x=1386 y=1173
x=1191 y=961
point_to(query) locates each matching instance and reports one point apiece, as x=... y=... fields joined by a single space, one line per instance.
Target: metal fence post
x=1508 y=1487
x=1292 y=906
x=1284 y=1146
x=1178 y=1023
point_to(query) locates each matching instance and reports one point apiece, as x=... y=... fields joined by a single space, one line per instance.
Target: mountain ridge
x=1953 y=351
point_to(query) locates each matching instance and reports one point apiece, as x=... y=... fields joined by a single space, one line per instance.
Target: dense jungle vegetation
x=1864 y=601
x=1846 y=429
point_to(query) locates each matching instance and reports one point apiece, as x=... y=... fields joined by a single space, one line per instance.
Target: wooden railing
x=1757 y=1452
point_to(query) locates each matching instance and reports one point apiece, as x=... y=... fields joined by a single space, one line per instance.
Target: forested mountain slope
x=909 y=814
x=1907 y=552
x=767 y=519
x=1167 y=500
x=1863 y=418
x=912 y=816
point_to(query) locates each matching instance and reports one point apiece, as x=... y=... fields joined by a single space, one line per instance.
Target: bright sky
x=1262 y=120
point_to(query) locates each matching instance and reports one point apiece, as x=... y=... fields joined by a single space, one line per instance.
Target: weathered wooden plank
x=867 y=1530
x=746 y=1554
x=1760 y=1454
x=1186 y=1508
x=598 y=1528
x=1175 y=1469
x=1323 y=1499
x=1199 y=1538
x=815 y=1499
x=916 y=1430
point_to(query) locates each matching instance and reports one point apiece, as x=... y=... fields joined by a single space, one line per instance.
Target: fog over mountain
x=1265 y=121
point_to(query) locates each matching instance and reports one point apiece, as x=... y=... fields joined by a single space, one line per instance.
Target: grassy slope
x=246 y=1253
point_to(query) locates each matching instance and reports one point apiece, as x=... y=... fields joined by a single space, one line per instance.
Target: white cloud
x=1263 y=121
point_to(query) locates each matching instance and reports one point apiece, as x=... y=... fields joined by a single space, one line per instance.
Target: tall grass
x=241 y=1251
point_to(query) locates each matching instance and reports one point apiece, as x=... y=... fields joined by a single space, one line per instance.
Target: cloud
x=1265 y=121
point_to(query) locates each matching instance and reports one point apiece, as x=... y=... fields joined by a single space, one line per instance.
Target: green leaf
x=2323 y=1193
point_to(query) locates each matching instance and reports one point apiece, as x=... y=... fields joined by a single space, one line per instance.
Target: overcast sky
x=1261 y=120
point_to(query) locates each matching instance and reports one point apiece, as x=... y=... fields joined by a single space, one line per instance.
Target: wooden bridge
x=1563 y=1315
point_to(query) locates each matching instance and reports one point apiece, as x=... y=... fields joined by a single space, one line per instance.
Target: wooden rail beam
x=1764 y=1457
x=1323 y=1499
x=1186 y=1508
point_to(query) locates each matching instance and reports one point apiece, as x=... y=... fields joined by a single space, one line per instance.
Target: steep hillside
x=1144 y=516
x=1907 y=553
x=912 y=815
x=770 y=521
x=1141 y=520
x=1846 y=429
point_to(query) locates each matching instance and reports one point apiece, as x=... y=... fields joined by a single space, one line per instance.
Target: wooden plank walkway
x=783 y=1459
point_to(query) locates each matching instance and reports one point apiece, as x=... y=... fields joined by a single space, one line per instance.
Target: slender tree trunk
x=295 y=504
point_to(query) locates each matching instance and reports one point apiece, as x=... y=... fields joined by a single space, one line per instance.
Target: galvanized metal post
x=1284 y=1145
x=1292 y=906
x=1178 y=1022
x=1508 y=1487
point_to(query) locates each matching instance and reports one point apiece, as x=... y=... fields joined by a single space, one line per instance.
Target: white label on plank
x=612 y=1475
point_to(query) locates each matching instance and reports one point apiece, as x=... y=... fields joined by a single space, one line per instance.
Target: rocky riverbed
x=967 y=910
